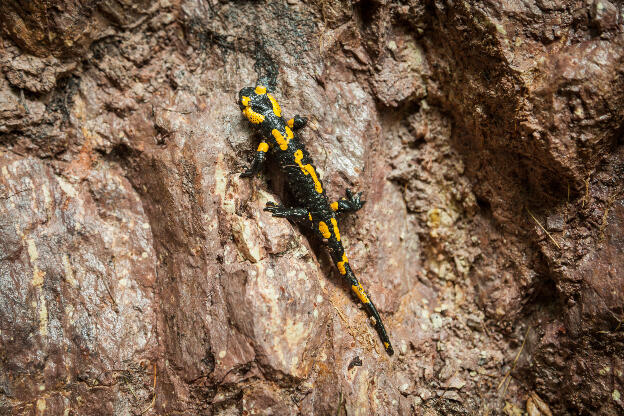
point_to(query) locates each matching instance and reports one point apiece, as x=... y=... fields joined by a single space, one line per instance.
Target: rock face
x=139 y=274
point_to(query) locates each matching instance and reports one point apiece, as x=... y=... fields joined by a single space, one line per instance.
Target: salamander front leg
x=297 y=122
x=351 y=203
x=258 y=161
x=295 y=214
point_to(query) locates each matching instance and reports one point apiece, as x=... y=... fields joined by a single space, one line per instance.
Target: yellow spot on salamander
x=260 y=89
x=310 y=216
x=386 y=345
x=255 y=118
x=341 y=264
x=291 y=123
x=324 y=230
x=289 y=133
x=263 y=147
x=334 y=206
x=336 y=230
x=308 y=169
x=359 y=291
x=279 y=138
x=276 y=107
x=245 y=101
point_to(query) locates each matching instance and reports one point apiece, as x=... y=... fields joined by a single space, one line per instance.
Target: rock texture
x=139 y=274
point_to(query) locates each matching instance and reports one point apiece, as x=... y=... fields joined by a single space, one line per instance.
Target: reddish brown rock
x=139 y=274
x=78 y=276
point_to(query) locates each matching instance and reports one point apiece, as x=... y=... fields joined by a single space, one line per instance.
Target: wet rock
x=475 y=322
x=604 y=15
x=452 y=395
x=17 y=112
x=535 y=406
x=77 y=286
x=456 y=382
x=555 y=223
x=35 y=74
x=400 y=77
x=44 y=29
x=140 y=275
x=436 y=321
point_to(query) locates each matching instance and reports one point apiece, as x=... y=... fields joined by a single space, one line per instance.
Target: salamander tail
x=369 y=307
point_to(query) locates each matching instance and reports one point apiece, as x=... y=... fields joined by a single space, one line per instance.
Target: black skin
x=314 y=207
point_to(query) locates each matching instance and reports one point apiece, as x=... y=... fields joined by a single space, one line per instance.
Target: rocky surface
x=139 y=274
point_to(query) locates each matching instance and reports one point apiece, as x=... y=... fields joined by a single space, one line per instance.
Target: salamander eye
x=245 y=96
x=244 y=102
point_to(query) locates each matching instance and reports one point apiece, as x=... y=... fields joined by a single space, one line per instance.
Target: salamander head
x=255 y=103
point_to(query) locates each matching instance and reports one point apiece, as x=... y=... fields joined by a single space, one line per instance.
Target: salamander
x=281 y=143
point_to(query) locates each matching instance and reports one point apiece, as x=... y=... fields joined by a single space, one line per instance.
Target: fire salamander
x=285 y=148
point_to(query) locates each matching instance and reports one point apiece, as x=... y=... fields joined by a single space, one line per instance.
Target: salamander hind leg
x=353 y=202
x=297 y=122
x=295 y=214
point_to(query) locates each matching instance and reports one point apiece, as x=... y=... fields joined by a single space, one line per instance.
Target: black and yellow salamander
x=284 y=147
